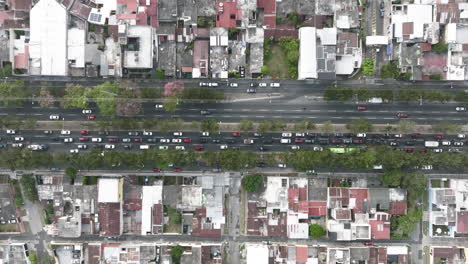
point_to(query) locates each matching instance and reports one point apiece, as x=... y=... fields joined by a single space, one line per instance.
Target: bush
x=160 y=74
x=252 y=183
x=71 y=174
x=29 y=187
x=440 y=47
x=90 y=180
x=390 y=71
x=176 y=254
x=316 y=231
x=265 y=70
x=435 y=76
x=368 y=67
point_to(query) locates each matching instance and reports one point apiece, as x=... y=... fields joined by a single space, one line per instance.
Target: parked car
x=275 y=84
x=177 y=134
x=48 y=132
x=199 y=148
x=68 y=140
x=460 y=108
x=205 y=134
x=10 y=132
x=233 y=85
x=235 y=134
x=91 y=117
x=74 y=150
x=251 y=90
x=109 y=146
x=87 y=111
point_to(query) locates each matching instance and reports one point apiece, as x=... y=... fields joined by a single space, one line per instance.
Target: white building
x=48 y=39
x=109 y=190
x=257 y=254
x=139 y=51
x=152 y=195
x=307 y=68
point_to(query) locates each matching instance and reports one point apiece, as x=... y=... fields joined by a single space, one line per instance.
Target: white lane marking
x=383 y=111
x=331 y=111
x=349 y=111
x=388 y=117
x=226 y=116
x=37 y=114
x=243 y=116
x=263 y=110
x=260 y=116
x=280 y=110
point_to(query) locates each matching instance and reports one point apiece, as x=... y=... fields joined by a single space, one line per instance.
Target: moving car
x=96 y=140
x=19 y=139
x=91 y=117
x=235 y=134
x=361 y=108
x=83 y=139
x=179 y=147
x=205 y=134
x=460 y=109
x=10 y=132
x=199 y=148
x=176 y=140
x=286 y=135
x=205 y=112
x=158 y=106
x=54 y=117
x=133 y=133
x=402 y=115
x=147 y=133
x=83 y=146
x=87 y=111
x=282 y=165
x=177 y=134
x=163 y=147
x=74 y=150
x=275 y=84
x=68 y=140
x=251 y=90
x=262 y=85
x=109 y=146
x=84 y=132
x=65 y=132
x=233 y=85
x=48 y=132
x=461 y=136
x=361 y=135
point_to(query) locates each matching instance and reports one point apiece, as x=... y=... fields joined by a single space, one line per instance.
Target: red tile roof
x=281 y=31
x=157 y=214
x=150 y=13
x=462 y=222
x=20 y=4
x=80 y=10
x=227 y=14
x=317 y=209
x=426 y=46
x=269 y=22
x=343 y=214
x=360 y=196
x=293 y=195
x=379 y=229
x=302 y=253
x=200 y=227
x=448 y=13
x=382 y=255
x=200 y=55
x=398 y=208
x=269 y=12
x=281 y=228
x=94 y=254
x=465 y=47
x=109 y=219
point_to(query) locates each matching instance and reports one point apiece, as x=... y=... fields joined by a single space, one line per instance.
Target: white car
x=223 y=147
x=398 y=135
x=460 y=109
x=203 y=84
x=74 y=150
x=10 y=132
x=361 y=135
x=87 y=111
x=163 y=147
x=300 y=135
x=96 y=139
x=426 y=167
x=437 y=150
x=35 y=147
x=213 y=84
x=176 y=140
x=286 y=135
x=109 y=146
x=65 y=132
x=180 y=147
x=82 y=146
x=54 y=117
x=19 y=139
x=282 y=165
x=17 y=145
x=205 y=134
x=295 y=147
x=233 y=85
x=159 y=106
x=126 y=140
x=147 y=133
x=461 y=136
x=177 y=134
x=458 y=143
x=446 y=143
x=262 y=85
x=318 y=149
x=164 y=140
x=68 y=140
x=274 y=84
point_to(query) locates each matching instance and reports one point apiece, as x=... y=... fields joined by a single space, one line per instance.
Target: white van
x=144 y=146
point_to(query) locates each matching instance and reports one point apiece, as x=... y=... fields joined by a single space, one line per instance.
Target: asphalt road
x=288 y=108
x=265 y=143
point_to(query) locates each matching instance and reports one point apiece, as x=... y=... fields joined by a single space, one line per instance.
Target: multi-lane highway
x=288 y=108
x=271 y=142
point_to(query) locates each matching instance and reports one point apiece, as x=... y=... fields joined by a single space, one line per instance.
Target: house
x=48 y=39
x=110 y=206
x=152 y=209
x=138 y=53
x=257 y=254
x=448 y=209
x=348 y=53
x=307 y=68
x=414 y=23
x=269 y=12
x=457 y=55
x=445 y=254
x=227 y=14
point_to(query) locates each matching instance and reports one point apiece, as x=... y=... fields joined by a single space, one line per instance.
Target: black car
x=152 y=140
x=203 y=140
x=215 y=140
x=339 y=135
x=410 y=143
x=309 y=141
x=348 y=135
x=261 y=164
x=311 y=134
x=231 y=141
x=55 y=138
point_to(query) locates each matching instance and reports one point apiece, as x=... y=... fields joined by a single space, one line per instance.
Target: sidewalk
x=227 y=127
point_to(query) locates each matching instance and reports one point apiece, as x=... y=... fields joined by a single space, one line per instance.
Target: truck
x=375 y=100
x=248 y=141
x=431 y=144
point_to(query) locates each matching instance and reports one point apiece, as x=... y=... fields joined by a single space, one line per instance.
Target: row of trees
x=344 y=94
x=301 y=160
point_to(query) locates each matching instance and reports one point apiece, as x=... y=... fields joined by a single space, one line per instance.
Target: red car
x=199 y=148
x=361 y=108
x=137 y=140
x=416 y=135
x=187 y=140
x=157 y=170
x=439 y=137
x=84 y=138
x=91 y=117
x=235 y=134
x=423 y=150
x=113 y=139
x=402 y=115
x=84 y=132
x=176 y=170
x=299 y=140
x=409 y=150
x=368 y=243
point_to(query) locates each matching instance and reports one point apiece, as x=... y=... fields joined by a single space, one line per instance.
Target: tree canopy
x=316 y=231
x=252 y=183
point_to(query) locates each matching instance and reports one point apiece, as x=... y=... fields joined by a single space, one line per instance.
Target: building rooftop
x=109 y=190
x=139 y=51
x=227 y=14
x=110 y=215
x=167 y=10
x=191 y=197
x=152 y=195
x=257 y=254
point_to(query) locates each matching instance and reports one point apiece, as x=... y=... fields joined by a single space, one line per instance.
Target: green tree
x=28 y=182
x=209 y=125
x=338 y=94
x=46 y=99
x=105 y=97
x=393 y=178
x=446 y=127
x=75 y=97
x=316 y=231
x=170 y=104
x=252 y=183
x=29 y=124
x=328 y=127
x=176 y=254
x=359 y=125
x=160 y=74
x=435 y=76
x=264 y=127
x=71 y=173
x=6 y=71
x=246 y=125
x=368 y=67
x=390 y=71
x=406 y=126
x=406 y=224
x=33 y=257
x=13 y=94
x=304 y=125
x=265 y=70
x=440 y=47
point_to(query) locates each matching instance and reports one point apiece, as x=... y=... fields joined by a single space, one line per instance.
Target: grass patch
x=435 y=184
x=8 y=228
x=277 y=63
x=425 y=228
x=90 y=180
x=175 y=220
x=18 y=196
